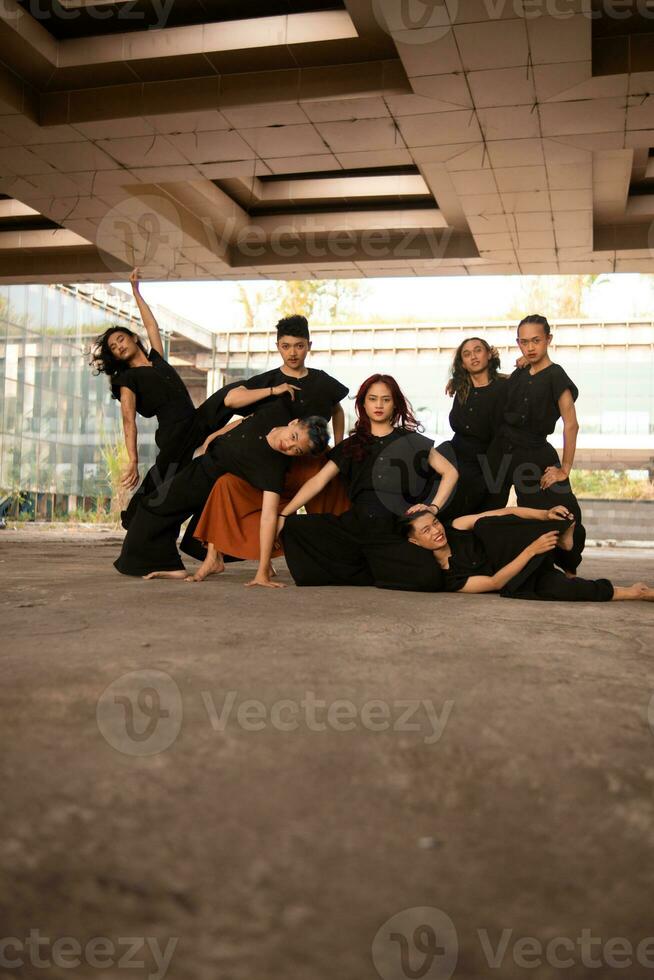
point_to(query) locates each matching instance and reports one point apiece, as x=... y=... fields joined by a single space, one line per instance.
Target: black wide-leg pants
x=522 y=467
x=150 y=544
x=548 y=583
x=356 y=550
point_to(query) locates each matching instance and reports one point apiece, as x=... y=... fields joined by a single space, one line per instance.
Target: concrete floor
x=142 y=811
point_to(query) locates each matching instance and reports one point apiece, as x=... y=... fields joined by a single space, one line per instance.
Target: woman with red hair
x=387 y=467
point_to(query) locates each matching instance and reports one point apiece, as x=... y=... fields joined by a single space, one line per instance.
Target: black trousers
x=356 y=550
x=522 y=467
x=549 y=583
x=150 y=544
x=177 y=441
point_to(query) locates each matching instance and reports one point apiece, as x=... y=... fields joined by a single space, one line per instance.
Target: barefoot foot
x=179 y=574
x=210 y=566
x=643 y=591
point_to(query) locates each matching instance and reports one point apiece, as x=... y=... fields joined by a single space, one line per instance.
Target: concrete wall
x=624 y=520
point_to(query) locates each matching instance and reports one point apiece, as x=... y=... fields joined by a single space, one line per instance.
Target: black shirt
x=245 y=451
x=393 y=475
x=479 y=418
x=159 y=390
x=468 y=558
x=532 y=403
x=318 y=394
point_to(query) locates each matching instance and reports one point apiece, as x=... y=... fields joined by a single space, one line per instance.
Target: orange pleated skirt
x=231 y=516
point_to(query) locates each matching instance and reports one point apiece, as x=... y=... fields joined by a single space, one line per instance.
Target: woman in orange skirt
x=229 y=524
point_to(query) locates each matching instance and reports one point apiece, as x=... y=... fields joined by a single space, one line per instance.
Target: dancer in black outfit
x=147 y=385
x=510 y=551
x=312 y=392
x=520 y=455
x=259 y=449
x=386 y=466
x=476 y=417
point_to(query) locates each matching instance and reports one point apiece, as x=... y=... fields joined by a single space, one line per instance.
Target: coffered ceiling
x=219 y=139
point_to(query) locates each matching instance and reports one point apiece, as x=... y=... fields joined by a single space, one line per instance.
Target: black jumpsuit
x=181 y=427
x=150 y=542
x=363 y=546
x=520 y=453
x=494 y=542
x=474 y=422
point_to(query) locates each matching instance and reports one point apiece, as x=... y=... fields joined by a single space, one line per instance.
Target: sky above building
x=216 y=305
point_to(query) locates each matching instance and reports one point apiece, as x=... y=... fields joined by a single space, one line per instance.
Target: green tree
x=556 y=297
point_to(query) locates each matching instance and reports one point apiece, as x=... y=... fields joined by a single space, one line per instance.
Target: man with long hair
x=479 y=392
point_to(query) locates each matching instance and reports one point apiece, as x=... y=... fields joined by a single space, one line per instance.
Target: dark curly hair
x=459 y=383
x=102 y=360
x=293 y=326
x=316 y=427
x=536 y=318
x=403 y=417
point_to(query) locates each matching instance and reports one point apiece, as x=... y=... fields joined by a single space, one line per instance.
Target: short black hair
x=318 y=432
x=405 y=523
x=293 y=326
x=536 y=318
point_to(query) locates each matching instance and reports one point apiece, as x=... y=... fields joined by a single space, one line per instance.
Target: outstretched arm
x=554 y=474
x=149 y=322
x=267 y=529
x=557 y=513
x=477 y=584
x=307 y=492
x=130 y=477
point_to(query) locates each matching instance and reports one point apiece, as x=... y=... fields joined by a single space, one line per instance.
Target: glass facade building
x=58 y=421
x=59 y=425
